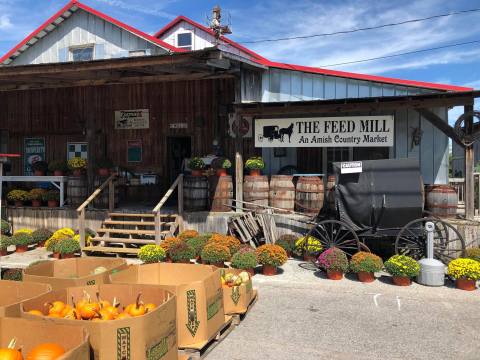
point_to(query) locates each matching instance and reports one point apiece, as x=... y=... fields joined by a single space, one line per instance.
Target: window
x=184 y=41
x=82 y=53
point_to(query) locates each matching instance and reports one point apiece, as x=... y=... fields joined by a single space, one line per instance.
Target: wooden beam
x=469 y=164
x=441 y=125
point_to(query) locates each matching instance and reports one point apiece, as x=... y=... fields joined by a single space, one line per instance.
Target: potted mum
x=5 y=227
x=221 y=165
x=67 y=248
x=255 y=164
x=287 y=242
x=21 y=240
x=365 y=265
x=271 y=257
x=196 y=164
x=309 y=247
x=77 y=165
x=18 y=197
x=186 y=234
x=181 y=252
x=150 y=254
x=51 y=244
x=245 y=259
x=58 y=167
x=39 y=168
x=197 y=243
x=334 y=262
x=104 y=166
x=52 y=197
x=215 y=254
x=5 y=242
x=402 y=268
x=35 y=196
x=231 y=242
x=40 y=236
x=167 y=244
x=466 y=272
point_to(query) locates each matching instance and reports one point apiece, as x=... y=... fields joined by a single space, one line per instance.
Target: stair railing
x=81 y=208
x=178 y=183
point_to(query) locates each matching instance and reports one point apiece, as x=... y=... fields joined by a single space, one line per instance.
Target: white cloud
x=5 y=22
x=155 y=10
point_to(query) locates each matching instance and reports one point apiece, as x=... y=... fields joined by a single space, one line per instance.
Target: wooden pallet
x=205 y=348
x=238 y=318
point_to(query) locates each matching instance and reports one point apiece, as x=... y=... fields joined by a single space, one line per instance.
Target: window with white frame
x=81 y=53
x=184 y=40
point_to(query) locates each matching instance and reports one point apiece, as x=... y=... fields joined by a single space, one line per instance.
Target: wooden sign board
x=134 y=151
x=132 y=119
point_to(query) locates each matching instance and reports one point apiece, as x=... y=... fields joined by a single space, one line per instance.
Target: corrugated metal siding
x=83 y=28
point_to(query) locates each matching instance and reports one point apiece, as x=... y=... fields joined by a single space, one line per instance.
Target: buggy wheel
x=334 y=233
x=448 y=244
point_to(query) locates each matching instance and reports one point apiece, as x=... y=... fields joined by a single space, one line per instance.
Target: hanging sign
x=348 y=131
x=132 y=119
x=241 y=126
x=134 y=150
x=351 y=167
x=33 y=150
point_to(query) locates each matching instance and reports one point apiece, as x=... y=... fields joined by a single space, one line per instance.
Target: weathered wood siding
x=82 y=28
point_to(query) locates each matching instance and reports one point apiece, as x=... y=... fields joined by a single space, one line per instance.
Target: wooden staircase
x=125 y=233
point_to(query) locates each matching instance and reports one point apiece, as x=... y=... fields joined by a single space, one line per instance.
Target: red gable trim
x=209 y=31
x=94 y=12
x=356 y=76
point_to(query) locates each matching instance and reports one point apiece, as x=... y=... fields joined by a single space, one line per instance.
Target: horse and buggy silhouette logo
x=274 y=132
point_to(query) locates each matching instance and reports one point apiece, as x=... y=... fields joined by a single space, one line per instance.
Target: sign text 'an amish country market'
x=347 y=131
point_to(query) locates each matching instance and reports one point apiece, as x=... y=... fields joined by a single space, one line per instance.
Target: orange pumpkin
x=55 y=307
x=150 y=307
x=9 y=353
x=137 y=309
x=89 y=311
x=36 y=312
x=122 y=315
x=46 y=351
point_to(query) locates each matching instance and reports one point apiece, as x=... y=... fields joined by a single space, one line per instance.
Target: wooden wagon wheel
x=335 y=233
x=448 y=244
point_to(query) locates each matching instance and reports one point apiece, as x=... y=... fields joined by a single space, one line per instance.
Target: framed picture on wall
x=280 y=152
x=134 y=151
x=77 y=149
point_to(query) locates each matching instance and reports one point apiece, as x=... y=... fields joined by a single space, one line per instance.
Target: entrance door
x=178 y=148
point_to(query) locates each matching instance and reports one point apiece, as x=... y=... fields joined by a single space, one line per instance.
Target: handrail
x=156 y=210
x=81 y=208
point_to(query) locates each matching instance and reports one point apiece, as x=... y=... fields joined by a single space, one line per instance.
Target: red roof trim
x=357 y=76
x=209 y=31
x=94 y=12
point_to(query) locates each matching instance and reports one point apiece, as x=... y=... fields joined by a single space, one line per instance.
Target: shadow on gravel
x=308 y=266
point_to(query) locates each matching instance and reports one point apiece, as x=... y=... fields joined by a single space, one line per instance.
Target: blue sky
x=253 y=20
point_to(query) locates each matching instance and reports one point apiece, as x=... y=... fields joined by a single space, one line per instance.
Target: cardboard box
x=151 y=336
x=237 y=298
x=200 y=314
x=12 y=293
x=75 y=344
x=73 y=272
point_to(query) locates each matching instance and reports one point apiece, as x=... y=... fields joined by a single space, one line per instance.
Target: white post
x=62 y=194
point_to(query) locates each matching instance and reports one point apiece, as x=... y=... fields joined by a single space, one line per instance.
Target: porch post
x=469 y=164
x=238 y=165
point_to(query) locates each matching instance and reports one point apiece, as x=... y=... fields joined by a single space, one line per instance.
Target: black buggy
x=383 y=204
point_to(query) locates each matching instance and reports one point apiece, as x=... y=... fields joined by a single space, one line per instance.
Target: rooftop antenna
x=216 y=24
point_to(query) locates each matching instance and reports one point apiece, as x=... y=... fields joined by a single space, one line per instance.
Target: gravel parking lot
x=302 y=315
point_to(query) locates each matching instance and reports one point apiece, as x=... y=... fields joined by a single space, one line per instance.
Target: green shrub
x=197 y=243
x=67 y=246
x=5 y=242
x=365 y=261
x=196 y=163
x=288 y=246
x=270 y=254
x=402 y=265
x=36 y=194
x=22 y=239
x=333 y=259
x=151 y=254
x=181 y=251
x=51 y=195
x=473 y=253
x=311 y=246
x=5 y=228
x=17 y=195
x=13 y=275
x=244 y=260
x=214 y=252
x=255 y=163
x=41 y=235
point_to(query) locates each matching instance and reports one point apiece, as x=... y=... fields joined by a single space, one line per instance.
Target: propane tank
x=432 y=271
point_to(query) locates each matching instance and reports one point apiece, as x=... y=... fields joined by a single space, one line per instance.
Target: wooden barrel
x=330 y=193
x=76 y=190
x=309 y=195
x=221 y=193
x=255 y=190
x=441 y=200
x=101 y=201
x=195 y=193
x=282 y=192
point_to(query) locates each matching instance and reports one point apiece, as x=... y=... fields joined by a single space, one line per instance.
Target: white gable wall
x=83 y=28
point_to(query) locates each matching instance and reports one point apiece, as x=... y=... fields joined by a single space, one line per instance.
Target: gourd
x=10 y=353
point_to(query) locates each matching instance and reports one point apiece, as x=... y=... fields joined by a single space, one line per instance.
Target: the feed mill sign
x=348 y=131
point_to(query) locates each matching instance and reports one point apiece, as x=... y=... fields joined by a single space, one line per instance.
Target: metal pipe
x=430 y=227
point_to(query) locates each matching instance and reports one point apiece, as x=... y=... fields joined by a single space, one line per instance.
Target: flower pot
x=41 y=244
x=103 y=172
x=255 y=172
x=465 y=284
x=67 y=256
x=269 y=270
x=58 y=173
x=77 y=172
x=184 y=261
x=36 y=203
x=39 y=173
x=366 y=277
x=3 y=252
x=219 y=264
x=56 y=255
x=221 y=172
x=401 y=280
x=334 y=275
x=168 y=260
x=18 y=203
x=52 y=203
x=251 y=271
x=307 y=257
x=21 y=248
x=197 y=173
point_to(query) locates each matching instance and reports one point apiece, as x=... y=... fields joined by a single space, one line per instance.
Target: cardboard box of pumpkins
x=126 y=322
x=200 y=314
x=35 y=340
x=74 y=272
x=12 y=293
x=238 y=291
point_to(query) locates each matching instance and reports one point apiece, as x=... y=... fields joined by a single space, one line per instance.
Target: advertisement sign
x=132 y=119
x=134 y=150
x=345 y=131
x=33 y=150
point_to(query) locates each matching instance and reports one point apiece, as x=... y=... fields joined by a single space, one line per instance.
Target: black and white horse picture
x=286 y=131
